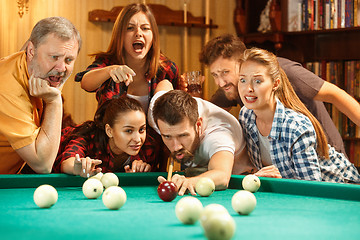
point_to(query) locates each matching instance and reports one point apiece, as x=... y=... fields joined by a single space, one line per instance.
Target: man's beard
x=34 y=66
x=188 y=155
x=233 y=94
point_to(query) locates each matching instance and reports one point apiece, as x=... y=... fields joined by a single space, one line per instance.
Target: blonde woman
x=283 y=138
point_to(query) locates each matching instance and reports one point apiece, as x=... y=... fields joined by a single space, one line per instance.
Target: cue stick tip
x=170 y=169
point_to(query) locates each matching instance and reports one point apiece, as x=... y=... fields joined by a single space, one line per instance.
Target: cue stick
x=170 y=169
x=207 y=38
x=185 y=38
x=77 y=164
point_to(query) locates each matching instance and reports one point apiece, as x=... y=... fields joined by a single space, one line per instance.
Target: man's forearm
x=341 y=100
x=48 y=141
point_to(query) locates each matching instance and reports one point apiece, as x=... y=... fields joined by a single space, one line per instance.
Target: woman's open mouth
x=138 y=46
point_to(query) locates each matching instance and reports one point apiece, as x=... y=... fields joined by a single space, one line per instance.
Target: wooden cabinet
x=329 y=45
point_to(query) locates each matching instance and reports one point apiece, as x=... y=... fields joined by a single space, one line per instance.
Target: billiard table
x=286 y=209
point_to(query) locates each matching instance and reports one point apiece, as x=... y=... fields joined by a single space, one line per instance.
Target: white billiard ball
x=45 y=196
x=114 y=197
x=205 y=186
x=220 y=227
x=109 y=179
x=212 y=209
x=251 y=183
x=243 y=202
x=92 y=188
x=98 y=176
x=188 y=209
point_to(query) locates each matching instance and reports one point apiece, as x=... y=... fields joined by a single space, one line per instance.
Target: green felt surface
x=278 y=215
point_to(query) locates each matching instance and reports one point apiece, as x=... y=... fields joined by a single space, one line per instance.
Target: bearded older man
x=30 y=96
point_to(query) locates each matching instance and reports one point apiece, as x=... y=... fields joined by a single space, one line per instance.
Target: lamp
x=23 y=6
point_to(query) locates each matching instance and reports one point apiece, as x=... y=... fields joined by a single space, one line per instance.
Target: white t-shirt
x=264 y=149
x=144 y=101
x=221 y=132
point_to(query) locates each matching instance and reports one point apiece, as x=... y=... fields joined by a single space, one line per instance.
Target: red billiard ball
x=167 y=191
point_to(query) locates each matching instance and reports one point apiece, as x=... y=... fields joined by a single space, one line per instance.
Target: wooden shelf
x=163 y=15
x=308 y=46
x=276 y=38
x=327 y=31
x=351 y=139
x=331 y=45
